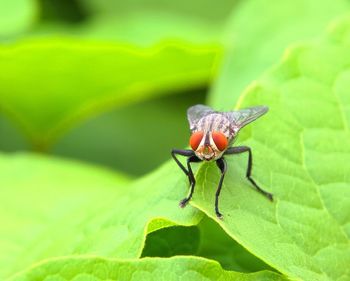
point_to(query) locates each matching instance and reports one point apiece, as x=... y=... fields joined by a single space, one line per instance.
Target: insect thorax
x=215 y=122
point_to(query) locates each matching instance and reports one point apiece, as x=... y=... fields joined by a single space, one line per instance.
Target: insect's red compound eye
x=196 y=139
x=220 y=140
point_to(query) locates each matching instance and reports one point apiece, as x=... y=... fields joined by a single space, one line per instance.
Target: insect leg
x=221 y=163
x=189 y=173
x=241 y=149
x=182 y=152
x=191 y=178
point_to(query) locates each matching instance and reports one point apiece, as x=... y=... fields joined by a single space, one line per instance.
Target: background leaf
x=300 y=149
x=16 y=16
x=172 y=241
x=138 y=21
x=257 y=40
x=202 y=9
x=97 y=77
x=141 y=23
x=217 y=245
x=118 y=138
x=176 y=268
x=52 y=207
x=206 y=239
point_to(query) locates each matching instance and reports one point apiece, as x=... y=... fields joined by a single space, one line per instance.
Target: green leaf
x=198 y=240
x=51 y=207
x=258 y=39
x=208 y=240
x=230 y=254
x=176 y=268
x=172 y=241
x=301 y=153
x=147 y=22
x=138 y=22
x=161 y=125
x=119 y=131
x=198 y=8
x=144 y=28
x=48 y=85
x=16 y=16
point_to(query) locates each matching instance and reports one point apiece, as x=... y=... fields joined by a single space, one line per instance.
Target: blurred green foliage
x=78 y=79
x=258 y=46
x=130 y=62
x=109 y=83
x=17 y=16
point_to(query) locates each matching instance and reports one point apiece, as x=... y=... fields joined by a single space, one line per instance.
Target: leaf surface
x=208 y=240
x=47 y=85
x=216 y=244
x=16 y=16
x=170 y=269
x=301 y=155
x=172 y=241
x=51 y=207
x=147 y=22
x=59 y=208
x=256 y=40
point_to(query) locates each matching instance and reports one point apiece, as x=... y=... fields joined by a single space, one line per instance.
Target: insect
x=212 y=136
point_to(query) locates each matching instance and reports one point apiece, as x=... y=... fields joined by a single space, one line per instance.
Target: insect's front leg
x=221 y=163
x=191 y=178
x=241 y=149
x=182 y=152
x=189 y=173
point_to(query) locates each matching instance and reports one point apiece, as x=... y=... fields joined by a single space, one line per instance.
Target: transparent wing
x=196 y=112
x=242 y=117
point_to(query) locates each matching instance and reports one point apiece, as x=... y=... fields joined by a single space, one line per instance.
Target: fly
x=212 y=136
